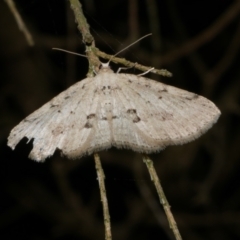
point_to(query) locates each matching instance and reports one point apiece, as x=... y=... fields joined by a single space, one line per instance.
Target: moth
x=115 y=109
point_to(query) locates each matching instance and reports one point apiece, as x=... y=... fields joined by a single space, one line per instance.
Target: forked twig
x=123 y=61
x=162 y=197
x=93 y=53
x=106 y=215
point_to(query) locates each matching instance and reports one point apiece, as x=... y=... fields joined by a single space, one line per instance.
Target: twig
x=93 y=53
x=106 y=215
x=162 y=197
x=87 y=37
x=123 y=61
x=94 y=64
x=21 y=25
x=149 y=198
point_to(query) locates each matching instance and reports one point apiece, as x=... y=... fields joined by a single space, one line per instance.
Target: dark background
x=198 y=41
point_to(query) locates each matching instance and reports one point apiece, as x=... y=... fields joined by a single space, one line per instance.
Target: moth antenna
x=129 y=46
x=62 y=50
x=103 y=64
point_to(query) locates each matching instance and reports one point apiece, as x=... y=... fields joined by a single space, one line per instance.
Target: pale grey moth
x=115 y=109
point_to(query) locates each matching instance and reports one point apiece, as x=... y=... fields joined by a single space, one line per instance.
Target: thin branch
x=21 y=25
x=87 y=37
x=81 y=21
x=150 y=200
x=106 y=215
x=123 y=61
x=162 y=197
x=93 y=53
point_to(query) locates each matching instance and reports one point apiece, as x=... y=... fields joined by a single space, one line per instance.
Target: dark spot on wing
x=163 y=90
x=67 y=97
x=195 y=96
x=29 y=120
x=83 y=86
x=53 y=105
x=59 y=111
x=133 y=115
x=90 y=116
x=160 y=97
x=58 y=130
x=131 y=111
x=90 y=120
x=88 y=125
x=165 y=116
x=136 y=119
